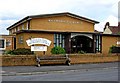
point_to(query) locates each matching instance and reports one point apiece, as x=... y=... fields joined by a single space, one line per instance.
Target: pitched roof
x=50 y=15
x=114 y=29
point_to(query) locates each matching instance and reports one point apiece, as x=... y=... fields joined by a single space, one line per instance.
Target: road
x=87 y=74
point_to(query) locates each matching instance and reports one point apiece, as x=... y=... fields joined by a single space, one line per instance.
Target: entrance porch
x=86 y=42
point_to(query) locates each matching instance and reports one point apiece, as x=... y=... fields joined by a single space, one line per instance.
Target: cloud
x=5 y=23
x=111 y=19
x=13 y=10
x=119 y=11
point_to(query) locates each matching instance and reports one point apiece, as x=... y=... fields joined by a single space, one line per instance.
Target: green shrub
x=9 y=52
x=111 y=48
x=58 y=50
x=20 y=51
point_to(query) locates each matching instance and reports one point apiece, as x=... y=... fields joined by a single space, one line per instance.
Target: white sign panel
x=28 y=42
x=38 y=41
x=38 y=48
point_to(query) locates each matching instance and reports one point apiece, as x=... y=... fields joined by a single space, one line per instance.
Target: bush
x=58 y=50
x=20 y=51
x=114 y=49
x=9 y=52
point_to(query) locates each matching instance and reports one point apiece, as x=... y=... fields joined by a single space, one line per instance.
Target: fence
x=29 y=60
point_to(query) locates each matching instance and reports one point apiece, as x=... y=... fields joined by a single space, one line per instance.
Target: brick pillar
x=68 y=42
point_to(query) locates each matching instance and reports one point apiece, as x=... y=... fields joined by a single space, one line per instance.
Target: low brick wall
x=19 y=60
x=93 y=58
x=28 y=60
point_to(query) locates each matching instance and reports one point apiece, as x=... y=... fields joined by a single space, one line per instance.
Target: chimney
x=106 y=25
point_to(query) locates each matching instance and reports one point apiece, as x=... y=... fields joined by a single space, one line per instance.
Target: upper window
x=27 y=26
x=18 y=28
x=22 y=26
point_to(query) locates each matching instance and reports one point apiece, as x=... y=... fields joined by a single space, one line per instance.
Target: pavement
x=32 y=70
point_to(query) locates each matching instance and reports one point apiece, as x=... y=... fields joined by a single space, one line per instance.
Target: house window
x=59 y=40
x=20 y=40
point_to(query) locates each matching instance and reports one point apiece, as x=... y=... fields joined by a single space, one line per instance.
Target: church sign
x=38 y=41
x=38 y=48
x=34 y=41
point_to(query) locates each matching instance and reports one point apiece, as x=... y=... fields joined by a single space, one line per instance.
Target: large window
x=59 y=40
x=98 y=43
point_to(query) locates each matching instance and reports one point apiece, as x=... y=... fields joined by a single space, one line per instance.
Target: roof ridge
x=53 y=14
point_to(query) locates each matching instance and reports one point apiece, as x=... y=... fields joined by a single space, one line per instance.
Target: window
x=8 y=43
x=18 y=28
x=59 y=40
x=22 y=26
x=15 y=30
x=2 y=44
x=10 y=32
x=27 y=26
x=98 y=43
x=20 y=40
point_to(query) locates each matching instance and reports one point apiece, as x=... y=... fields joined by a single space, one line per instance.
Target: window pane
x=60 y=38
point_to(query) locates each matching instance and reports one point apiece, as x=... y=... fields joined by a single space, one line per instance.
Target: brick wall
x=29 y=60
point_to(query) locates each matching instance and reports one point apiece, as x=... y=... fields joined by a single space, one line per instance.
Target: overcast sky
x=12 y=11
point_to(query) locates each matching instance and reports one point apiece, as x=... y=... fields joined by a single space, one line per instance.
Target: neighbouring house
x=70 y=31
x=7 y=42
x=111 y=29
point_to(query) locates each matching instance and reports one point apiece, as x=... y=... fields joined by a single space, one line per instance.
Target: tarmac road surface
x=108 y=74
x=80 y=72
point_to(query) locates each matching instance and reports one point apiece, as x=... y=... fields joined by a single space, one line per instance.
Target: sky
x=103 y=11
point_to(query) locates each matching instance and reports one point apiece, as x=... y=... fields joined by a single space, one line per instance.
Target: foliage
x=81 y=52
x=9 y=52
x=19 y=51
x=118 y=33
x=111 y=48
x=58 y=50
